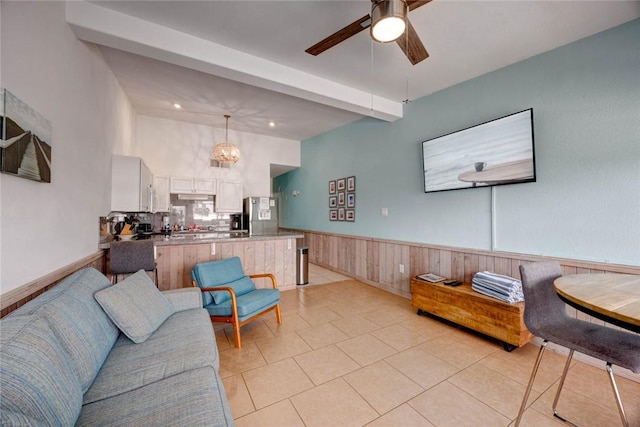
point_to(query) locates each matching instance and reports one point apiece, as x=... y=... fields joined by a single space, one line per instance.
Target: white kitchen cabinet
x=229 y=197
x=131 y=185
x=146 y=189
x=181 y=185
x=191 y=185
x=161 y=185
x=204 y=186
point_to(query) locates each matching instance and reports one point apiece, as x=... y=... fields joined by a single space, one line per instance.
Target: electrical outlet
x=401 y=268
x=384 y=212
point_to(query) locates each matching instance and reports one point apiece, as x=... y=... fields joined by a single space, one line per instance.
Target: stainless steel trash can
x=302 y=270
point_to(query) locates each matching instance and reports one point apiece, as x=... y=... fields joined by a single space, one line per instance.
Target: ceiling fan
x=397 y=10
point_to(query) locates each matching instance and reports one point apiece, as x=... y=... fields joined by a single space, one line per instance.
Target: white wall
x=172 y=148
x=44 y=227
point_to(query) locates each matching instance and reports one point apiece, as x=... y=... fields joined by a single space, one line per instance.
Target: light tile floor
x=349 y=354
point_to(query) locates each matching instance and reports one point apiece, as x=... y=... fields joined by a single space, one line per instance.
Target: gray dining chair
x=546 y=316
x=128 y=257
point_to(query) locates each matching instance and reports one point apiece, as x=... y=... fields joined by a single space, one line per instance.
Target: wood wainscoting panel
x=376 y=261
x=17 y=297
x=175 y=262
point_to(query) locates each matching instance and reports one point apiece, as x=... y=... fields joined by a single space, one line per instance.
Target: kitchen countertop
x=194 y=239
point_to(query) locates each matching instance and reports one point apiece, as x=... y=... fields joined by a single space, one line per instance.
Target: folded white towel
x=498 y=286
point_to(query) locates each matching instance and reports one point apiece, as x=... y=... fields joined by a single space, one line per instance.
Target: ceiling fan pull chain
x=371 y=112
x=406 y=100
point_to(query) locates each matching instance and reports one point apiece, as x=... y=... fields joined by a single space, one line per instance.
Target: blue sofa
x=90 y=353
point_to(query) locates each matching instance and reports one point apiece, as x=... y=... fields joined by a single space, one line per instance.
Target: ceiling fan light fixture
x=226 y=153
x=388 y=20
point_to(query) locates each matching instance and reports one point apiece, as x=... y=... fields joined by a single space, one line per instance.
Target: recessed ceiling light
x=177 y=106
x=272 y=124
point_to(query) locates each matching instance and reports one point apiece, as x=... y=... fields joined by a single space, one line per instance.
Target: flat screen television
x=497 y=152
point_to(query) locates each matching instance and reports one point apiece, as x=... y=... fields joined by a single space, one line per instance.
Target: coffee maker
x=239 y=222
x=166 y=224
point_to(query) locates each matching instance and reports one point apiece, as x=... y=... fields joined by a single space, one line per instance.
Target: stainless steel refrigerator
x=262 y=213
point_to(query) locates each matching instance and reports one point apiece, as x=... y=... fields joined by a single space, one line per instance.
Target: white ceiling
x=247 y=58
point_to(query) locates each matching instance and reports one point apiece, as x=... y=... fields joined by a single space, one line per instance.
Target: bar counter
x=197 y=238
x=176 y=255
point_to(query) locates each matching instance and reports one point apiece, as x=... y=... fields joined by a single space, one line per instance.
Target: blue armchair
x=230 y=296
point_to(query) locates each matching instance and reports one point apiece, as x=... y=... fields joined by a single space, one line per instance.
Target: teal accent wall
x=585 y=203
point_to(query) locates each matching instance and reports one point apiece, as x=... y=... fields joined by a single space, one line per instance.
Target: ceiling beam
x=103 y=26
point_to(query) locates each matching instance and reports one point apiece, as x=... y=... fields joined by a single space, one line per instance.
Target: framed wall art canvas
x=351 y=183
x=333 y=202
x=341 y=214
x=350 y=215
x=332 y=187
x=25 y=147
x=341 y=198
x=351 y=200
x=341 y=183
x=333 y=215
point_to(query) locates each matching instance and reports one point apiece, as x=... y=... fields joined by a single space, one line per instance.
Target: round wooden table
x=614 y=298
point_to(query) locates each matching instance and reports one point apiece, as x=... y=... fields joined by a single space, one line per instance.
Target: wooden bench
x=462 y=305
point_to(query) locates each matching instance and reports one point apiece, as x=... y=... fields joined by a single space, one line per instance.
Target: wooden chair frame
x=237 y=324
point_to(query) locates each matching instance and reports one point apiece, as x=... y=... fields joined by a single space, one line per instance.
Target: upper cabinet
x=229 y=197
x=161 y=185
x=204 y=186
x=131 y=185
x=190 y=185
x=181 y=185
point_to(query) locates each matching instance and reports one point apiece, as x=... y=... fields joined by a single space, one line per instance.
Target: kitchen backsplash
x=197 y=212
x=185 y=213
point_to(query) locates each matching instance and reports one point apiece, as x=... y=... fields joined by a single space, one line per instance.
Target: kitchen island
x=176 y=255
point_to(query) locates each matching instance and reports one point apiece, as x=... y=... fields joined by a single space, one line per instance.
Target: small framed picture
x=342 y=184
x=341 y=198
x=333 y=202
x=351 y=215
x=332 y=187
x=333 y=215
x=340 y=214
x=351 y=200
x=351 y=183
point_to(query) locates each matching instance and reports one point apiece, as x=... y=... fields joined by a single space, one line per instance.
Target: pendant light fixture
x=388 y=20
x=226 y=153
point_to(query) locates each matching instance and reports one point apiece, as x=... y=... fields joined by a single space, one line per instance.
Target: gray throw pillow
x=136 y=306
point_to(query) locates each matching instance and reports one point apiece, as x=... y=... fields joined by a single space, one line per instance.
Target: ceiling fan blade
x=340 y=35
x=412 y=46
x=414 y=4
